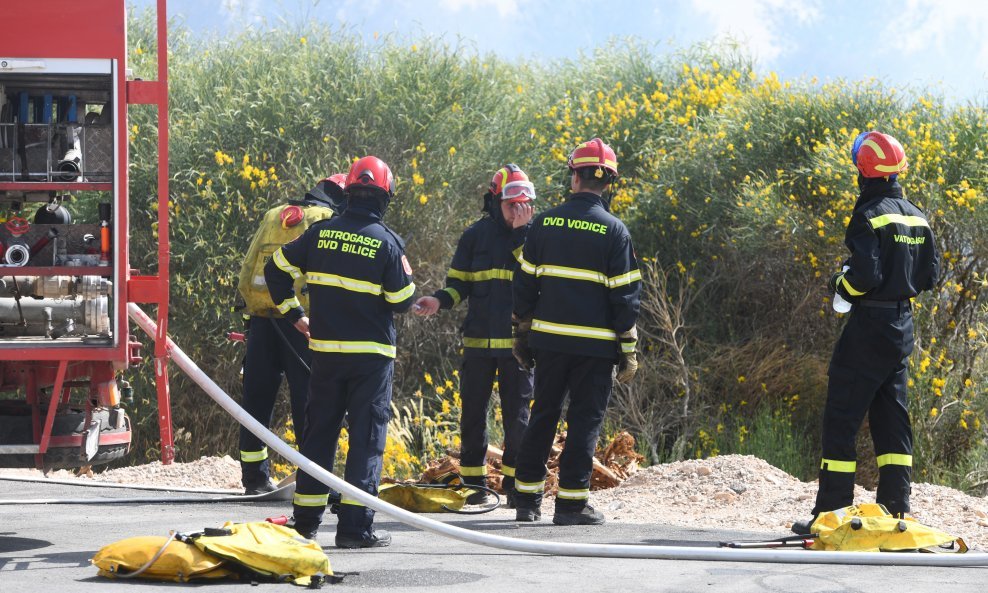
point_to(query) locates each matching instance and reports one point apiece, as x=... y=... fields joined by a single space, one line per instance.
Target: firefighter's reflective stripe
x=310 y=500
x=895 y=459
x=343 y=282
x=507 y=471
x=623 y=279
x=596 y=160
x=834 y=465
x=529 y=487
x=629 y=346
x=571 y=494
x=470 y=470
x=351 y=502
x=341 y=347
x=288 y=304
x=487 y=342
x=525 y=266
x=452 y=292
x=279 y=260
x=517 y=253
x=481 y=275
x=254 y=456
x=850 y=289
x=579 y=331
x=400 y=295
x=903 y=219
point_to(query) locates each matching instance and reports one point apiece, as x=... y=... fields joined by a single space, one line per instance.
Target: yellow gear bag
x=870 y=528
x=275 y=230
x=422 y=499
x=260 y=550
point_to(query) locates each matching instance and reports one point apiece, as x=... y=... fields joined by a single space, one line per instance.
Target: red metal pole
x=161 y=339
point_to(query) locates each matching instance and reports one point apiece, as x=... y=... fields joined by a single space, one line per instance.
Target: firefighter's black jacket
x=484 y=264
x=893 y=251
x=357 y=276
x=579 y=281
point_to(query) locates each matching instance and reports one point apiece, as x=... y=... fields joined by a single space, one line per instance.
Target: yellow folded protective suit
x=262 y=551
x=870 y=528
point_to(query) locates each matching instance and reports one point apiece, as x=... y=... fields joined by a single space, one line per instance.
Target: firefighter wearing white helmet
x=273 y=346
x=893 y=258
x=576 y=302
x=486 y=260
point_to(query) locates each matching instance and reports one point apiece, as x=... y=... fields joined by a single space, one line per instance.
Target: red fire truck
x=65 y=275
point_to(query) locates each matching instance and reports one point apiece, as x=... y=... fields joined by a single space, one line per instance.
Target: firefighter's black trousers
x=267 y=358
x=476 y=383
x=869 y=375
x=587 y=382
x=357 y=387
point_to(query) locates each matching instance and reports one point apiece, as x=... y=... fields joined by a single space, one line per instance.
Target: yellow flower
x=428 y=378
x=934 y=412
x=423 y=199
x=741 y=379
x=303 y=40
x=452 y=150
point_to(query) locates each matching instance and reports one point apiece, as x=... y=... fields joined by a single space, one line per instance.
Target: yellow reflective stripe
x=399 y=296
x=833 y=465
x=901 y=165
x=284 y=266
x=473 y=470
x=454 y=294
x=885 y=219
x=895 y=459
x=568 y=494
x=580 y=331
x=487 y=342
x=288 y=304
x=525 y=266
x=507 y=471
x=850 y=289
x=310 y=500
x=252 y=456
x=517 y=253
x=343 y=282
x=481 y=275
x=571 y=274
x=341 y=347
x=621 y=280
x=350 y=502
x=874 y=146
x=529 y=487
x=629 y=346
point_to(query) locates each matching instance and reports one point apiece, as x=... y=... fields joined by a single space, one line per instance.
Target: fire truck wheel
x=16 y=428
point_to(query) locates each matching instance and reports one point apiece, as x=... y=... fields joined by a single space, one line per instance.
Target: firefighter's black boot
x=508 y=486
x=528 y=507
x=478 y=496
x=576 y=512
x=803 y=527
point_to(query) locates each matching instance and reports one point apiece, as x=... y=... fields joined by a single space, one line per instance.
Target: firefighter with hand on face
x=893 y=258
x=273 y=346
x=358 y=278
x=483 y=266
x=576 y=302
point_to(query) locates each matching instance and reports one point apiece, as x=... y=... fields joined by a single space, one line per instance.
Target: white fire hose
x=532 y=546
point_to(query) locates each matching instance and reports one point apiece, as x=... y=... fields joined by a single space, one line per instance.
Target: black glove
x=628 y=363
x=834 y=280
x=519 y=347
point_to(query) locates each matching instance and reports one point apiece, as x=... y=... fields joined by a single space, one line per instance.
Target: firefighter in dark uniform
x=484 y=264
x=358 y=277
x=274 y=347
x=576 y=302
x=893 y=258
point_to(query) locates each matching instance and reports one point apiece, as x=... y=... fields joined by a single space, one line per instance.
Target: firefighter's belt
x=870 y=528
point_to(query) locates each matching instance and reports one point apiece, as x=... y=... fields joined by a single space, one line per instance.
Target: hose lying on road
x=532 y=546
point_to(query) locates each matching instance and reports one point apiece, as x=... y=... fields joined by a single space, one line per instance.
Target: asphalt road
x=47 y=548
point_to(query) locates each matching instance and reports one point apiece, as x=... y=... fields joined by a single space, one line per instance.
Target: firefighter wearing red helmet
x=576 y=300
x=486 y=259
x=358 y=278
x=893 y=258
x=273 y=346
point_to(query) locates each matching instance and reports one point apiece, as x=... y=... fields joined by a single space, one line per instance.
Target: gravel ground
x=727 y=492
